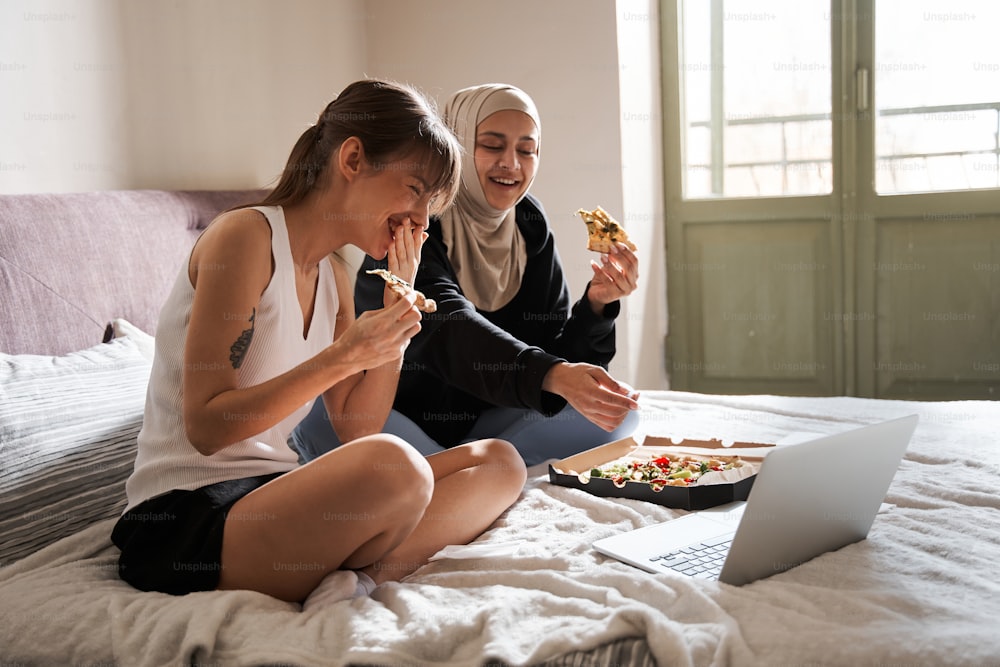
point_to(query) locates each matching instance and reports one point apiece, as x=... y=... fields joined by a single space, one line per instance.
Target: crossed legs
x=374 y=504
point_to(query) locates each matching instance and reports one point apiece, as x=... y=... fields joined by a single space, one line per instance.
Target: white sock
x=365 y=584
x=334 y=587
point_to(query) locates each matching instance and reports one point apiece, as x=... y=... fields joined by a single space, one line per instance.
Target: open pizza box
x=574 y=471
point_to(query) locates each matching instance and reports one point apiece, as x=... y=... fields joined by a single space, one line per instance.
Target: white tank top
x=166 y=460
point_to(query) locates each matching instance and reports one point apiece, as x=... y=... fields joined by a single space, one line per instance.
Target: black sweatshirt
x=465 y=361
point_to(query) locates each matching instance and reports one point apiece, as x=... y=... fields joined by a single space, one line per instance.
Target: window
x=756 y=80
x=937 y=68
x=832 y=203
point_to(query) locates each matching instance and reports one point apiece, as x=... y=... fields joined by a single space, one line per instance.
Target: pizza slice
x=402 y=288
x=603 y=230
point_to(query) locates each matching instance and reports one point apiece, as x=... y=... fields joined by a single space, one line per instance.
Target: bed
x=921 y=590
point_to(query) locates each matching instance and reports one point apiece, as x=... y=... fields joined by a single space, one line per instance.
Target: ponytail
x=392 y=121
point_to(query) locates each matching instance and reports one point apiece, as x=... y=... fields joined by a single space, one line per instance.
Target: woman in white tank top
x=259 y=324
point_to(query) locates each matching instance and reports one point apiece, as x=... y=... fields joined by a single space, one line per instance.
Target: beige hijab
x=485 y=246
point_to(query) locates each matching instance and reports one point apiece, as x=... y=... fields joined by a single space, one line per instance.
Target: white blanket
x=923 y=589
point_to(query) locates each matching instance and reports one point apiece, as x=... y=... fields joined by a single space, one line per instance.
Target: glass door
x=832 y=197
x=753 y=253
x=929 y=243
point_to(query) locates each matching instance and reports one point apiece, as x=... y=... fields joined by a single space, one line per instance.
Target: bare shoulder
x=239 y=240
x=240 y=225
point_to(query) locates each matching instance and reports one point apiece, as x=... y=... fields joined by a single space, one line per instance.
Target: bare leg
x=345 y=509
x=374 y=504
x=473 y=485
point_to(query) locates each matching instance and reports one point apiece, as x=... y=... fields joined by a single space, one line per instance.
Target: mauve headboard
x=70 y=263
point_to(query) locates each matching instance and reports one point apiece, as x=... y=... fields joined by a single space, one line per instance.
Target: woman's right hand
x=592 y=392
x=378 y=336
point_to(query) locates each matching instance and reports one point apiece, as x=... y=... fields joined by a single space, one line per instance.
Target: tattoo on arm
x=239 y=349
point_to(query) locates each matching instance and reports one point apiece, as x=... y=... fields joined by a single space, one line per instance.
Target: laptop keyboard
x=703 y=560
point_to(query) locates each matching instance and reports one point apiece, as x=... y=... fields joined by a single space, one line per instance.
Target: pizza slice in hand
x=402 y=288
x=603 y=231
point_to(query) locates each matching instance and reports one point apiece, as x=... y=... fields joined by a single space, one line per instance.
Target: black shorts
x=173 y=543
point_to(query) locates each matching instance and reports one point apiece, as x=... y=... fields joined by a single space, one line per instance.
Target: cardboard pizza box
x=567 y=472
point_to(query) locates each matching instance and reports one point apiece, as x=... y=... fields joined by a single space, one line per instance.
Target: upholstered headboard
x=70 y=263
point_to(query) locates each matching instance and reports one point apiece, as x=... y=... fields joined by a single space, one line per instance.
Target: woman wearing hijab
x=506 y=354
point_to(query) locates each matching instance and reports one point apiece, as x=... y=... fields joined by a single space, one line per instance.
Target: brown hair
x=393 y=121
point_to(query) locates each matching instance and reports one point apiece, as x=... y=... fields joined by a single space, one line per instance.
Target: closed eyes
x=526 y=152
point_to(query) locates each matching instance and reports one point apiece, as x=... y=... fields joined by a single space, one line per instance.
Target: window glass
x=937 y=95
x=755 y=86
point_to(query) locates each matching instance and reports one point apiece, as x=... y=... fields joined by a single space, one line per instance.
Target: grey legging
x=536 y=437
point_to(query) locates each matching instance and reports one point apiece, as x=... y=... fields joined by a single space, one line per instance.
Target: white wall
x=645 y=312
x=118 y=94
x=224 y=88
x=64 y=99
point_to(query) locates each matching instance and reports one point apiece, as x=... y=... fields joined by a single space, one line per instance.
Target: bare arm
x=360 y=405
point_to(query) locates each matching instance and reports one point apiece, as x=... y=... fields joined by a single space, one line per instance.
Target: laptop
x=808 y=498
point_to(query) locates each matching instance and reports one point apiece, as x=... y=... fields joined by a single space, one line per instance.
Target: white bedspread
x=923 y=589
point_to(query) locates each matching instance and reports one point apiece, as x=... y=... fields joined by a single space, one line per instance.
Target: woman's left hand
x=404 y=253
x=615 y=277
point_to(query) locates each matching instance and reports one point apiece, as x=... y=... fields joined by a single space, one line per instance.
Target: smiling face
x=383 y=198
x=402 y=196
x=506 y=156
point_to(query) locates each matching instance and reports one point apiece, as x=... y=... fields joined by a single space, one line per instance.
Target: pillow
x=68 y=427
x=122 y=328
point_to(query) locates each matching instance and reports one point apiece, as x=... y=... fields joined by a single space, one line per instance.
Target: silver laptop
x=807 y=499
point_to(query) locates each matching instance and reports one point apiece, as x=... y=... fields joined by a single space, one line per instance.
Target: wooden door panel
x=937 y=296
x=761 y=299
